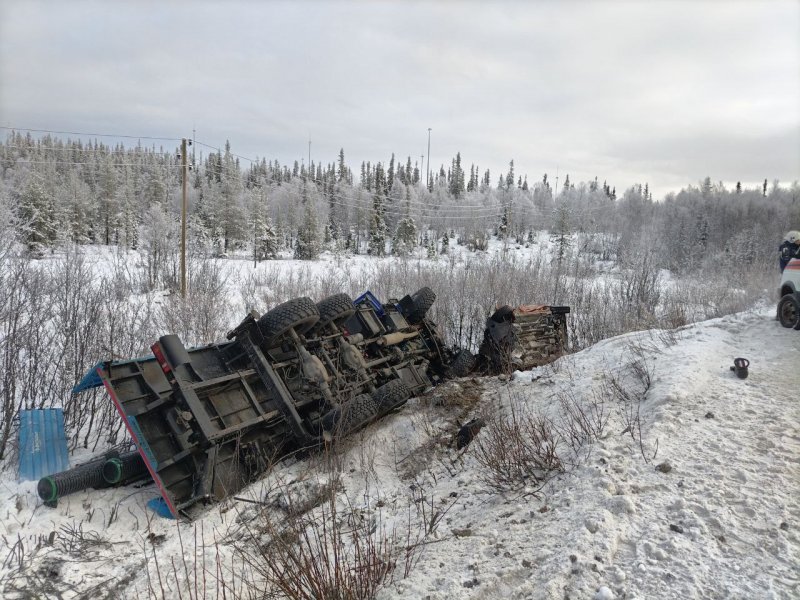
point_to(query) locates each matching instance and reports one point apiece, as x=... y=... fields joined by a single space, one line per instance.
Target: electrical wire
x=114 y=135
x=70 y=162
x=477 y=211
x=109 y=151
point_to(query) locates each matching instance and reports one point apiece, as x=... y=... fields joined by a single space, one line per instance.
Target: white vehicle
x=789 y=294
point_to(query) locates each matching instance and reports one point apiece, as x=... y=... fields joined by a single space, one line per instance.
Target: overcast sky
x=631 y=92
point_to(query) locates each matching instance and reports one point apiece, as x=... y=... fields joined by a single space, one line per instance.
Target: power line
x=71 y=162
x=398 y=213
x=426 y=206
x=114 y=135
x=73 y=149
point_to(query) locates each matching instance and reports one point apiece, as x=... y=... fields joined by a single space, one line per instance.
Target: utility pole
x=421 y=162
x=556 y=194
x=309 y=152
x=428 y=169
x=184 y=205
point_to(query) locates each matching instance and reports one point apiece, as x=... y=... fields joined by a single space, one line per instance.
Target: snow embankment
x=714 y=514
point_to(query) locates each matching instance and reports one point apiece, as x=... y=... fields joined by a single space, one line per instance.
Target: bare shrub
x=205 y=314
x=429 y=512
x=517 y=450
x=329 y=553
x=628 y=388
x=580 y=423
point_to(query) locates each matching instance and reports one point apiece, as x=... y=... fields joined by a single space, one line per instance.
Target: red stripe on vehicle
x=153 y=473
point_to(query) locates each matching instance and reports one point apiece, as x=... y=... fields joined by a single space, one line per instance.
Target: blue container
x=42 y=443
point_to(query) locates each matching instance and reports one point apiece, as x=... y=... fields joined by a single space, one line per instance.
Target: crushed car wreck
x=209 y=420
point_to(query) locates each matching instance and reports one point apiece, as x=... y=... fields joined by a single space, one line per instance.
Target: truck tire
x=462 y=364
x=391 y=395
x=351 y=416
x=335 y=309
x=789 y=311
x=299 y=314
x=422 y=300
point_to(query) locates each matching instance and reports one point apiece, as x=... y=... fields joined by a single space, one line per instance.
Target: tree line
x=71 y=191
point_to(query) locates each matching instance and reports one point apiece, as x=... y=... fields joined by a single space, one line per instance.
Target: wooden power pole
x=184 y=205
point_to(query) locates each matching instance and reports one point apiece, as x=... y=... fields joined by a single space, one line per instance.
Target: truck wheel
x=462 y=364
x=299 y=314
x=391 y=395
x=423 y=299
x=335 y=309
x=352 y=415
x=789 y=311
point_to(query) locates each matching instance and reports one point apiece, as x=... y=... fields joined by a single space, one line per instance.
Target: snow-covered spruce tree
x=457 y=187
x=405 y=236
x=307 y=246
x=445 y=243
x=505 y=222
x=431 y=247
x=9 y=225
x=75 y=202
x=36 y=214
x=233 y=214
x=267 y=241
x=377 y=230
x=560 y=236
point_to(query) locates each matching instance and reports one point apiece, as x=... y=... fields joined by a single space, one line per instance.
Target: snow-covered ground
x=715 y=514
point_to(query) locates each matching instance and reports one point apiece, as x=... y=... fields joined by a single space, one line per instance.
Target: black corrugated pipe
x=89 y=475
x=128 y=467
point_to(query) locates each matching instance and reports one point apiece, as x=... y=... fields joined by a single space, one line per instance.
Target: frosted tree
x=390 y=175
x=266 y=240
x=36 y=213
x=107 y=188
x=560 y=235
x=232 y=214
x=377 y=230
x=307 y=246
x=430 y=247
x=128 y=218
x=405 y=236
x=509 y=180
x=341 y=174
x=9 y=223
x=157 y=243
x=457 y=187
x=74 y=197
x=445 y=243
x=406 y=232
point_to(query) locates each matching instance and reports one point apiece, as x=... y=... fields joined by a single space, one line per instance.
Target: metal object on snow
x=740 y=366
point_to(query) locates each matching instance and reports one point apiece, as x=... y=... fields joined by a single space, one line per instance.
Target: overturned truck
x=209 y=420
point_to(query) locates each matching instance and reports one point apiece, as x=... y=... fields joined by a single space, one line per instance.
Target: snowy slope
x=721 y=522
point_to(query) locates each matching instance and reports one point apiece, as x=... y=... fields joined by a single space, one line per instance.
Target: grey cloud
x=628 y=91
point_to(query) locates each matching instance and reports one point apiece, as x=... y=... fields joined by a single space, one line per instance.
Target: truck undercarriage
x=209 y=420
